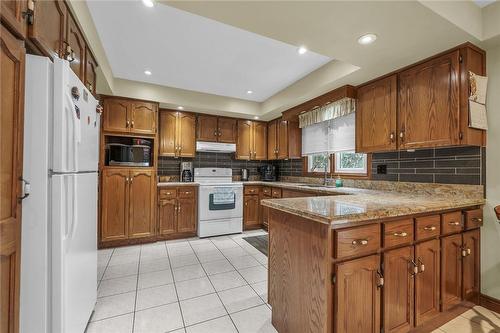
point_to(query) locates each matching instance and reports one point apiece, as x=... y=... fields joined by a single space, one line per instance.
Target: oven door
x=220 y=202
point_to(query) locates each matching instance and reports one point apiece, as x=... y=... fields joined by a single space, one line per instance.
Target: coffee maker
x=186 y=171
x=269 y=172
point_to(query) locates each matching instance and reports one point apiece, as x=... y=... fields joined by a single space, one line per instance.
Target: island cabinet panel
x=451 y=271
x=429 y=109
x=398 y=290
x=427 y=281
x=357 y=295
x=141 y=203
x=357 y=241
x=451 y=223
x=397 y=233
x=471 y=264
x=114 y=203
x=376 y=115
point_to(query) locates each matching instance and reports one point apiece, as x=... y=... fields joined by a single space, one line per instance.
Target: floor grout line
x=175 y=288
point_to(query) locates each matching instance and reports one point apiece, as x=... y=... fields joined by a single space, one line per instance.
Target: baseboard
x=489 y=303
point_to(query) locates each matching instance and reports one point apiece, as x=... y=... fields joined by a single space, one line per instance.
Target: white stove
x=220 y=202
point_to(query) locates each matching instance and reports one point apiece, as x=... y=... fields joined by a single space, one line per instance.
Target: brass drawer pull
x=380 y=282
x=454 y=223
x=400 y=234
x=421 y=265
x=430 y=228
x=168 y=193
x=360 y=242
x=415 y=267
x=477 y=219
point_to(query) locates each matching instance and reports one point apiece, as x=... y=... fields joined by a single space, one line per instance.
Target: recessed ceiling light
x=148 y=3
x=256 y=117
x=249 y=92
x=367 y=39
x=180 y=108
x=302 y=50
x=147 y=72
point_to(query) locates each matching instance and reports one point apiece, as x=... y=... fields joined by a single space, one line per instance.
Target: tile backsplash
x=454 y=165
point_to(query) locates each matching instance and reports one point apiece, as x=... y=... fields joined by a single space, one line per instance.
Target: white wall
x=490 y=233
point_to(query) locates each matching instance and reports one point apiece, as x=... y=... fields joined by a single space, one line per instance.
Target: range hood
x=215 y=147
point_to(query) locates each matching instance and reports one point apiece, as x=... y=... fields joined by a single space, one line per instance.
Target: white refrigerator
x=59 y=216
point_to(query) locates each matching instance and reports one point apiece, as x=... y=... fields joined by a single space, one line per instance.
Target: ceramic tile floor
x=212 y=285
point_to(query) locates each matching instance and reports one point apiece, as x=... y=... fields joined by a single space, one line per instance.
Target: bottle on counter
x=339 y=182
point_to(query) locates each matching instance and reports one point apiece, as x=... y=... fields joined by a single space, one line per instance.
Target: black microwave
x=120 y=154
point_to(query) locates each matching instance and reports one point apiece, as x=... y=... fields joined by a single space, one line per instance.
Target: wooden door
x=376 y=116
x=244 y=141
x=429 y=110
x=471 y=264
x=282 y=139
x=427 y=281
x=48 y=28
x=11 y=166
x=187 y=218
x=398 y=290
x=259 y=141
x=114 y=204
x=451 y=271
x=206 y=129
x=357 y=307
x=272 y=140
x=251 y=211
x=167 y=218
x=141 y=203
x=227 y=130
x=168 y=133
x=116 y=115
x=143 y=118
x=75 y=40
x=12 y=16
x=90 y=71
x=187 y=134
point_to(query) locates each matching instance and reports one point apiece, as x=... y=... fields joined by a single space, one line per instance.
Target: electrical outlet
x=382 y=169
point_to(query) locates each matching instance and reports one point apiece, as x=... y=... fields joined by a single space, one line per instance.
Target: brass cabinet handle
x=128 y=123
x=132 y=124
x=421 y=265
x=466 y=251
x=400 y=234
x=454 y=223
x=391 y=136
x=477 y=219
x=402 y=135
x=415 y=267
x=430 y=228
x=220 y=132
x=215 y=133
x=380 y=282
x=360 y=242
x=168 y=193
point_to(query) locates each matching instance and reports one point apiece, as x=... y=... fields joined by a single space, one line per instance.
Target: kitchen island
x=373 y=260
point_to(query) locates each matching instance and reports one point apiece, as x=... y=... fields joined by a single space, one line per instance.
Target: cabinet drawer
x=276 y=193
x=452 y=222
x=398 y=232
x=266 y=190
x=357 y=241
x=473 y=218
x=252 y=189
x=427 y=227
x=187 y=192
x=168 y=193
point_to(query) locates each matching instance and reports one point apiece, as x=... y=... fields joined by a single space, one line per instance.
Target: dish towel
x=223 y=195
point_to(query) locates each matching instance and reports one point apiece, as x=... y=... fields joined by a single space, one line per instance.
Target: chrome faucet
x=324 y=165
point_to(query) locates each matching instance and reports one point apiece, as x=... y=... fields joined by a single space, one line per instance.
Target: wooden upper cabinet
x=259 y=140
x=284 y=140
x=114 y=203
x=12 y=16
x=12 y=63
x=116 y=115
x=244 y=144
x=471 y=264
x=141 y=203
x=76 y=43
x=186 y=129
x=207 y=129
x=143 y=117
x=358 y=295
x=427 y=281
x=376 y=116
x=451 y=271
x=227 y=130
x=272 y=139
x=429 y=109
x=90 y=71
x=47 y=32
x=168 y=132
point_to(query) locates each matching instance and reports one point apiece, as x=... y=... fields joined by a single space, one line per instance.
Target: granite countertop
x=165 y=184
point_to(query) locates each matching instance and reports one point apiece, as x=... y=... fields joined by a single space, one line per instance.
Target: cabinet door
x=264 y=211
x=90 y=71
x=471 y=267
x=251 y=211
x=75 y=40
x=141 y=203
x=376 y=116
x=187 y=218
x=398 y=290
x=244 y=143
x=427 y=281
x=272 y=140
x=429 y=111
x=143 y=118
x=451 y=271
x=168 y=133
x=227 y=130
x=48 y=28
x=114 y=204
x=11 y=165
x=282 y=139
x=259 y=141
x=116 y=114
x=357 y=293
x=206 y=129
x=12 y=16
x=167 y=219
x=187 y=134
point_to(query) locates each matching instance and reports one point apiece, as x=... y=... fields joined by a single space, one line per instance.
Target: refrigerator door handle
x=76 y=128
x=74 y=215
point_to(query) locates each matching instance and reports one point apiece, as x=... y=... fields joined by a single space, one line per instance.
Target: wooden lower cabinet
x=114 y=203
x=167 y=216
x=427 y=281
x=471 y=264
x=141 y=204
x=451 y=271
x=177 y=211
x=358 y=295
x=251 y=216
x=186 y=219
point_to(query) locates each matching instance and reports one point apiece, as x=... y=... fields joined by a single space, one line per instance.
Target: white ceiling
x=188 y=51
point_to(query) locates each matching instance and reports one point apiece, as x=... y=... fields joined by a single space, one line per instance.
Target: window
x=316 y=163
x=350 y=162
